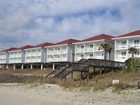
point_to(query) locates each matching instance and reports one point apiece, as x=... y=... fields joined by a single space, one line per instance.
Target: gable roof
x=44 y=44
x=68 y=41
x=21 y=48
x=98 y=37
x=25 y=47
x=9 y=49
x=133 y=33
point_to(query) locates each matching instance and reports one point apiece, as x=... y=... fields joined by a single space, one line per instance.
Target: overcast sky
x=35 y=21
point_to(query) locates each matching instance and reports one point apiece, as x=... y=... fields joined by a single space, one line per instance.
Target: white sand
x=46 y=94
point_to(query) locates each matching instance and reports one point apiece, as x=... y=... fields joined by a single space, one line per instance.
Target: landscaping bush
x=133 y=64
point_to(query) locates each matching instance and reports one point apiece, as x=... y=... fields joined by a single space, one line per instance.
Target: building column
x=41 y=66
x=7 y=66
x=31 y=66
x=14 y=67
x=22 y=66
x=53 y=66
x=127 y=52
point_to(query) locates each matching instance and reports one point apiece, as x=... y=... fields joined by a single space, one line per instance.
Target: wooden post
x=14 y=67
x=53 y=66
x=138 y=84
x=31 y=67
x=81 y=78
x=41 y=66
x=7 y=67
x=22 y=66
x=100 y=71
x=72 y=75
x=88 y=75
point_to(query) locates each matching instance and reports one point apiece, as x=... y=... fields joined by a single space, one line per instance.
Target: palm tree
x=107 y=49
x=133 y=51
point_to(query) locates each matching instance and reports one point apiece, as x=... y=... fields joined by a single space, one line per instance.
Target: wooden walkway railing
x=83 y=66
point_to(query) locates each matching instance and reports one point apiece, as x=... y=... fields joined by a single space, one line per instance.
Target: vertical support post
x=14 y=67
x=100 y=71
x=41 y=66
x=31 y=66
x=7 y=66
x=22 y=66
x=138 y=84
x=72 y=75
x=81 y=78
x=53 y=66
x=88 y=75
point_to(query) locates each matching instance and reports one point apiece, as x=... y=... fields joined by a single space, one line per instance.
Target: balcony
x=78 y=50
x=121 y=47
x=89 y=49
x=134 y=45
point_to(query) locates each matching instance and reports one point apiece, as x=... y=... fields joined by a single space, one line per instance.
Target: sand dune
x=47 y=94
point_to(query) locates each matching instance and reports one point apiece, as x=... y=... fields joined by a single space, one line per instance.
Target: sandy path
x=13 y=94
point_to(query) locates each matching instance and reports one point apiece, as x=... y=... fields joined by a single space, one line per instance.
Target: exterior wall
x=57 y=53
x=33 y=55
x=3 y=57
x=43 y=55
x=122 y=46
x=71 y=53
x=90 y=50
x=15 y=57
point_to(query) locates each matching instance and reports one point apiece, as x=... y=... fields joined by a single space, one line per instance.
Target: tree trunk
x=109 y=55
x=105 y=55
x=133 y=61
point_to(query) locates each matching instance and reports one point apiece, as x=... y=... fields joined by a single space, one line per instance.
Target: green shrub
x=133 y=64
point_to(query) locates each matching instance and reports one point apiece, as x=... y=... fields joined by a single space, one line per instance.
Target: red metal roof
x=68 y=41
x=98 y=37
x=44 y=44
x=134 y=33
x=9 y=49
x=21 y=48
x=26 y=47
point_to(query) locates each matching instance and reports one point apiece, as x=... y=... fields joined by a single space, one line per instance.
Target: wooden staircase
x=66 y=69
x=83 y=66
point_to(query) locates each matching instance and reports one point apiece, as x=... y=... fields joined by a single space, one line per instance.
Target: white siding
x=122 y=46
x=59 y=53
x=3 y=57
x=89 y=50
x=33 y=55
x=15 y=57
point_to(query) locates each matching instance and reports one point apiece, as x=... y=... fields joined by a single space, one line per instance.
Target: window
x=82 y=55
x=91 y=55
x=136 y=41
x=102 y=54
x=123 y=53
x=58 y=48
x=91 y=46
x=82 y=47
x=123 y=42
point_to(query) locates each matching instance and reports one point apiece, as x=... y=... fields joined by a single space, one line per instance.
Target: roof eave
x=91 y=41
x=55 y=45
x=125 y=37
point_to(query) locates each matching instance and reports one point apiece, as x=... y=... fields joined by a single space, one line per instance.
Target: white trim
x=92 y=41
x=56 y=45
x=89 y=41
x=33 y=48
x=15 y=50
x=125 y=37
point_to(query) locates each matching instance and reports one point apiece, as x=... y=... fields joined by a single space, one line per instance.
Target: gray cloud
x=35 y=21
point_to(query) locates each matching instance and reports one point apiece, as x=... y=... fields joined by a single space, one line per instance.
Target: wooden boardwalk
x=83 y=66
